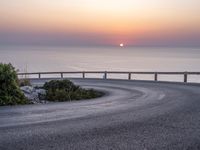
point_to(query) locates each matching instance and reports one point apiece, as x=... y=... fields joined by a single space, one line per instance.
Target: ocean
x=42 y=59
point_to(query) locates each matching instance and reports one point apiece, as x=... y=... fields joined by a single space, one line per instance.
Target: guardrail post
x=39 y=75
x=83 y=74
x=129 y=76
x=156 y=76
x=61 y=74
x=185 y=77
x=105 y=75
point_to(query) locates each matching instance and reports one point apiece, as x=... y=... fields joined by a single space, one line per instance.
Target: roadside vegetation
x=10 y=93
x=14 y=91
x=24 y=82
x=65 y=90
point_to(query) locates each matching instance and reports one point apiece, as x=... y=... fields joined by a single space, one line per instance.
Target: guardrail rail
x=105 y=74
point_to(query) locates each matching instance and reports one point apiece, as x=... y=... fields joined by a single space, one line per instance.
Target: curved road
x=132 y=115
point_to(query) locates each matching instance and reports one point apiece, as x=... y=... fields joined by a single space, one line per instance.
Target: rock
x=33 y=97
x=41 y=91
x=27 y=89
x=34 y=94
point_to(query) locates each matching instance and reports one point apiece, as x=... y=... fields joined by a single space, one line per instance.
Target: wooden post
x=129 y=76
x=61 y=74
x=83 y=74
x=185 y=77
x=156 y=76
x=39 y=75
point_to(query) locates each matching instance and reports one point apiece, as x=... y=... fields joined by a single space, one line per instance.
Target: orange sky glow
x=128 y=21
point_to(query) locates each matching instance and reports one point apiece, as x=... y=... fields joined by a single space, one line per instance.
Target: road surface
x=133 y=115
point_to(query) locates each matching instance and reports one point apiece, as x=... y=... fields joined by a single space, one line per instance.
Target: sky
x=100 y=22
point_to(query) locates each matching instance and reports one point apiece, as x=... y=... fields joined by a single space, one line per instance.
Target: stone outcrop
x=35 y=95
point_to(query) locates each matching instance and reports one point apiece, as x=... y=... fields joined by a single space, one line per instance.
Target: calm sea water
x=34 y=59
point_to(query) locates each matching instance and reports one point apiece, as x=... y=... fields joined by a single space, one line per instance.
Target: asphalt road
x=133 y=115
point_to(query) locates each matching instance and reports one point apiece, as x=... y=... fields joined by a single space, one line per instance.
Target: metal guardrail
x=105 y=74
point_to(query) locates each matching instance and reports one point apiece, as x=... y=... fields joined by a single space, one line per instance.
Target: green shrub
x=24 y=82
x=10 y=93
x=65 y=90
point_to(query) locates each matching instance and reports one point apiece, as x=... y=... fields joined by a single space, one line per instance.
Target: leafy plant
x=65 y=90
x=10 y=93
x=24 y=82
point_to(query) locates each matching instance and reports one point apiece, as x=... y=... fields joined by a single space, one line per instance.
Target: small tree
x=10 y=93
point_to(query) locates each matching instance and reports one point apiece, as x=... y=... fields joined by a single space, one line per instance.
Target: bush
x=24 y=82
x=10 y=93
x=65 y=90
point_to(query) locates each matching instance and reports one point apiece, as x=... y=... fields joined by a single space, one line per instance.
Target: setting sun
x=121 y=45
